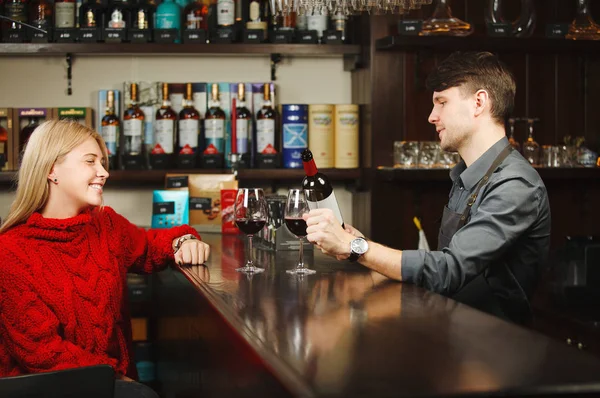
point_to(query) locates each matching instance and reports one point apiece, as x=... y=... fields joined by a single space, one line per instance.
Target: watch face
x=359 y=246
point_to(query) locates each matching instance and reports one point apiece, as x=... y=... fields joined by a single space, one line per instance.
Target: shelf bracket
x=275 y=59
x=69 y=59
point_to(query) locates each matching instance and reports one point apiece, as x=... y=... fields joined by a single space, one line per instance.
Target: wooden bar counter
x=343 y=332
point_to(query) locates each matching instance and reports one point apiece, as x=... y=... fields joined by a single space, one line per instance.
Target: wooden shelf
x=396 y=174
x=481 y=43
x=128 y=49
x=157 y=177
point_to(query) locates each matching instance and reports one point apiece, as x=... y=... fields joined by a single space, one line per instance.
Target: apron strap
x=499 y=159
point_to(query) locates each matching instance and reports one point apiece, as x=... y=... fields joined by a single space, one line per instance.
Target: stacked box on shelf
x=84 y=116
x=6 y=122
x=25 y=120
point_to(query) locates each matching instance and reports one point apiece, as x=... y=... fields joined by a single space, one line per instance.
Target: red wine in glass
x=250 y=227
x=295 y=207
x=250 y=216
x=296 y=225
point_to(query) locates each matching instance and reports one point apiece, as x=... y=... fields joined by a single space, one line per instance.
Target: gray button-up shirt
x=509 y=227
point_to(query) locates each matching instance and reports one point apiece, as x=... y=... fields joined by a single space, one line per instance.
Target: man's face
x=452 y=115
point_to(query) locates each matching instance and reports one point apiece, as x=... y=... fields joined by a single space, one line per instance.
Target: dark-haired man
x=495 y=231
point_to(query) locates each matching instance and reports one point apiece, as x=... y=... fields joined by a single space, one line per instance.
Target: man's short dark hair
x=472 y=71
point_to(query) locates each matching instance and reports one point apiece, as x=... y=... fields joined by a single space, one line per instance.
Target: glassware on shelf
x=523 y=26
x=406 y=154
x=442 y=23
x=429 y=153
x=511 y=135
x=583 y=26
x=531 y=149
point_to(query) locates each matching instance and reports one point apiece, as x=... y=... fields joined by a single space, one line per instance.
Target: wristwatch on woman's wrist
x=180 y=241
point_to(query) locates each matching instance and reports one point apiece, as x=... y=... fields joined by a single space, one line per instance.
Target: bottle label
x=215 y=131
x=16 y=11
x=188 y=133
x=194 y=21
x=225 y=12
x=241 y=129
x=142 y=20
x=132 y=130
x=164 y=135
x=329 y=202
x=167 y=20
x=149 y=113
x=116 y=19
x=255 y=11
x=64 y=15
x=265 y=135
x=318 y=23
x=110 y=134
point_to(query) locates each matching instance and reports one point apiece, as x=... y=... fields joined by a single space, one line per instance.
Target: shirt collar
x=471 y=175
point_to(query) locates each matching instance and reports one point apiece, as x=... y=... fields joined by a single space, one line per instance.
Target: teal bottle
x=168 y=16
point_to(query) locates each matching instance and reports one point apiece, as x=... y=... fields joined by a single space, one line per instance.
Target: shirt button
x=461 y=188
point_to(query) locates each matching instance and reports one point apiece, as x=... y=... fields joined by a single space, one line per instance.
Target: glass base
x=250 y=270
x=446 y=27
x=301 y=271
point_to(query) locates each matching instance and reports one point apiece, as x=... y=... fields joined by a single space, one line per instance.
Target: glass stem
x=301 y=256
x=250 y=253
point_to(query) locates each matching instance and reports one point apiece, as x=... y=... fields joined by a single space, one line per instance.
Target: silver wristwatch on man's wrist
x=358 y=247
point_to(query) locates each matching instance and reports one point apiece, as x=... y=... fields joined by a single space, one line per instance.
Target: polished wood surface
x=346 y=332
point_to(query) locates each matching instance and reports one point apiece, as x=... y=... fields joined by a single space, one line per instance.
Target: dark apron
x=477 y=293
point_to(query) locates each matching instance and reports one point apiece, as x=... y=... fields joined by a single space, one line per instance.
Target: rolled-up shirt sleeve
x=507 y=209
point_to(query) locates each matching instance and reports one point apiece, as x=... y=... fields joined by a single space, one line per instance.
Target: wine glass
x=250 y=217
x=295 y=207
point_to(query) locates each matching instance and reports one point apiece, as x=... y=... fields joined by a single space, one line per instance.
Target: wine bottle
x=321 y=195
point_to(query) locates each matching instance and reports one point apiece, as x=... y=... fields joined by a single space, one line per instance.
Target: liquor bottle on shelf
x=111 y=129
x=339 y=23
x=188 y=136
x=26 y=131
x=3 y=147
x=92 y=14
x=195 y=15
x=266 y=135
x=317 y=21
x=17 y=10
x=243 y=121
x=531 y=149
x=164 y=133
x=143 y=15
x=258 y=16
x=511 y=135
x=64 y=14
x=118 y=15
x=40 y=14
x=133 y=134
x=168 y=16
x=319 y=191
x=214 y=130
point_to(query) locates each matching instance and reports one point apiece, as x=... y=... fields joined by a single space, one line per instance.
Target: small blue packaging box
x=170 y=208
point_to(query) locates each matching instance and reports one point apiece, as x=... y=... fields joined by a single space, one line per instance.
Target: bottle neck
x=310 y=168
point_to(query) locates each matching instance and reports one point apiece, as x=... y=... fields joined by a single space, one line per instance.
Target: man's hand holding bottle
x=324 y=230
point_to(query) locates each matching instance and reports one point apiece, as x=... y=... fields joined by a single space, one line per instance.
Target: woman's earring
x=56 y=180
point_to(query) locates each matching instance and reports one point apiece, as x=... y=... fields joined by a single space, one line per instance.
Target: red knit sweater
x=63 y=293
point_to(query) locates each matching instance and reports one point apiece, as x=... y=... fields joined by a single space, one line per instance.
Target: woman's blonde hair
x=50 y=142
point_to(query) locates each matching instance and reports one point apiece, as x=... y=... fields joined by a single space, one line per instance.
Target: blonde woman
x=64 y=259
